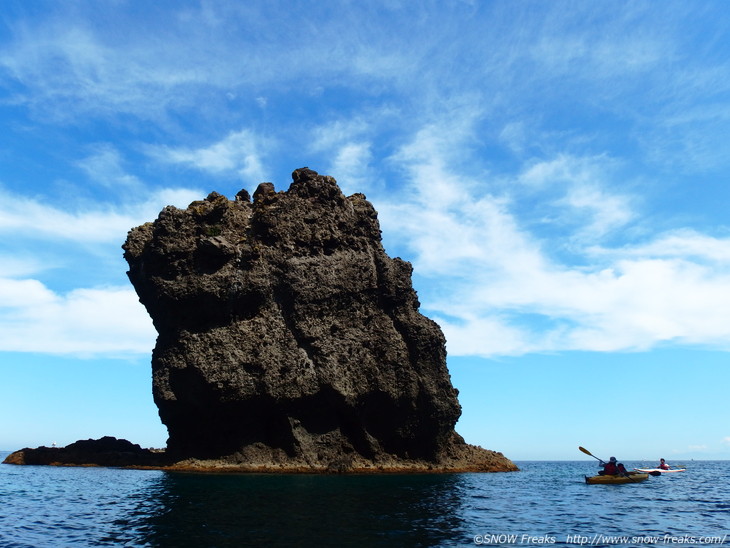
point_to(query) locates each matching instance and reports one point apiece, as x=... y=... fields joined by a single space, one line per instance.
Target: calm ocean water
x=549 y=501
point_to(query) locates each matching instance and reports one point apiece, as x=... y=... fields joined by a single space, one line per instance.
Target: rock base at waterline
x=120 y=453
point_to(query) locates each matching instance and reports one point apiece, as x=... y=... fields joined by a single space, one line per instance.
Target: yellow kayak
x=630 y=478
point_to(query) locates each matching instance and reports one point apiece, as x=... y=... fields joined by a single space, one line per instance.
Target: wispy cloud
x=579 y=184
x=680 y=244
x=104 y=165
x=30 y=219
x=33 y=220
x=84 y=322
x=347 y=143
x=20 y=266
x=497 y=289
x=61 y=64
x=239 y=153
x=352 y=163
x=66 y=68
x=492 y=173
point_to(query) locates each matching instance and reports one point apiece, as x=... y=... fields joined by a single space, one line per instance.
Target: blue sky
x=556 y=172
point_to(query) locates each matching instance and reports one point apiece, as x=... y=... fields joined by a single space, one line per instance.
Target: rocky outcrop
x=106 y=451
x=289 y=339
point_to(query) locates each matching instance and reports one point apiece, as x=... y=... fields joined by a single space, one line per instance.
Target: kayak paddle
x=584 y=450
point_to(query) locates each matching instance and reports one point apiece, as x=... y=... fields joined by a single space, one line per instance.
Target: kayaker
x=609 y=468
x=663 y=465
x=621 y=469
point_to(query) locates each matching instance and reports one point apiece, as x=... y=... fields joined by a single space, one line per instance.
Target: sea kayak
x=632 y=477
x=649 y=470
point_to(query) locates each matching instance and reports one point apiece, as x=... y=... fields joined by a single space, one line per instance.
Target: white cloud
x=239 y=152
x=514 y=135
x=681 y=243
x=68 y=68
x=18 y=293
x=634 y=304
x=104 y=165
x=647 y=301
x=178 y=197
x=19 y=267
x=606 y=211
x=452 y=221
x=348 y=143
x=30 y=219
x=584 y=55
x=333 y=135
x=84 y=322
x=469 y=335
x=498 y=290
x=476 y=239
x=352 y=165
x=580 y=184
x=151 y=62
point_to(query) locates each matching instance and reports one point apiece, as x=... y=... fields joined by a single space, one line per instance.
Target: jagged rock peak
x=288 y=338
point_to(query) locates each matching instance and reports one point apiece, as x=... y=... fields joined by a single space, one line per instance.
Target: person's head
x=661 y=460
x=612 y=459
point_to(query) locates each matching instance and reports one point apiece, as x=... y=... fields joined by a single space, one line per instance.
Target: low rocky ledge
x=106 y=451
x=120 y=453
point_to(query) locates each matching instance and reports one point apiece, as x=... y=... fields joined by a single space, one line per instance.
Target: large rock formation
x=287 y=336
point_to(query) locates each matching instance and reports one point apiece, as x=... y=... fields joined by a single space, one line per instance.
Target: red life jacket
x=610 y=469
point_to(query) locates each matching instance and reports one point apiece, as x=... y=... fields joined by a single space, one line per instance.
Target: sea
x=544 y=504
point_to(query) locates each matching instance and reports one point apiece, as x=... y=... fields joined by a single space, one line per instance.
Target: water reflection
x=287 y=510
x=52 y=506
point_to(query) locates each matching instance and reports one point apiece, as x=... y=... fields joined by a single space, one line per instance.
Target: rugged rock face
x=106 y=451
x=288 y=337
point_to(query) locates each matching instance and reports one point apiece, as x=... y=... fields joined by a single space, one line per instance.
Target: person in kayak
x=663 y=465
x=621 y=469
x=610 y=468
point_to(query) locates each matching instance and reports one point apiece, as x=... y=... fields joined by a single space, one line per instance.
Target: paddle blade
x=584 y=450
x=655 y=473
